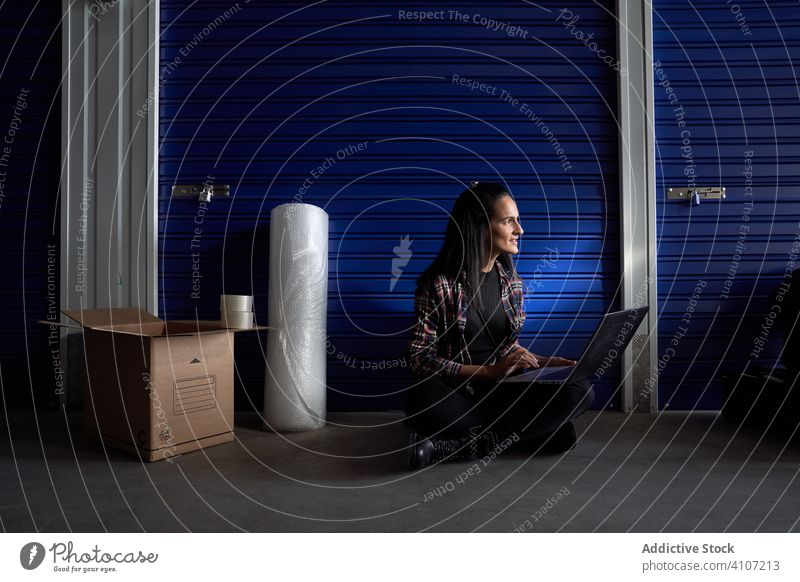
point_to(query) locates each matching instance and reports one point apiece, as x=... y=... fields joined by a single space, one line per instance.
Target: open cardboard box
x=156 y=388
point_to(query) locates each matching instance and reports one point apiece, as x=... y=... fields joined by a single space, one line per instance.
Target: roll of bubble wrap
x=295 y=385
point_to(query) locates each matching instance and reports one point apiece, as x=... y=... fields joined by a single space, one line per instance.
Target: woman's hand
x=515 y=360
x=547 y=360
x=533 y=361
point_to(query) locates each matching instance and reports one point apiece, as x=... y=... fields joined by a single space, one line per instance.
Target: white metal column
x=638 y=200
x=109 y=145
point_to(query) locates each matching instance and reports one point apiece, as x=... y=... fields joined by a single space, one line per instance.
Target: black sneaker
x=420 y=452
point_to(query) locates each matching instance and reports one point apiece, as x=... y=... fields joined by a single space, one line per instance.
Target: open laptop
x=610 y=339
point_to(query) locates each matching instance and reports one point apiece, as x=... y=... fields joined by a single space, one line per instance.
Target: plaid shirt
x=438 y=346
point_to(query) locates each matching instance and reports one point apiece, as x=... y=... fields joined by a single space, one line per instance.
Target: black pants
x=529 y=410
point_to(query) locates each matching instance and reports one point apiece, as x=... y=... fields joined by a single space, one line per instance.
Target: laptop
x=609 y=341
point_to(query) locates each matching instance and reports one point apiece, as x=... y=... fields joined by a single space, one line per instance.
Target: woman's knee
x=432 y=406
x=575 y=398
x=423 y=394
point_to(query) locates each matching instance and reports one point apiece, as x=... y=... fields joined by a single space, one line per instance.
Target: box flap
x=166 y=328
x=221 y=325
x=107 y=316
x=254 y=328
x=194 y=327
x=148 y=329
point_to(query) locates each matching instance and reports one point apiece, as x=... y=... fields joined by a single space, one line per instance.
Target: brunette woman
x=469 y=309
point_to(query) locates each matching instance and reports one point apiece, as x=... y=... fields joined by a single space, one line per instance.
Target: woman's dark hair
x=465 y=244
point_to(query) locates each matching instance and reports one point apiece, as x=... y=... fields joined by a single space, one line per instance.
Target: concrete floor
x=676 y=472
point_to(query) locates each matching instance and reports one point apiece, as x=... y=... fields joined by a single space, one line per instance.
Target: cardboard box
x=156 y=388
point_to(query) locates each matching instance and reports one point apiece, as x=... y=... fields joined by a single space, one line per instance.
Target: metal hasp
x=701 y=193
x=203 y=192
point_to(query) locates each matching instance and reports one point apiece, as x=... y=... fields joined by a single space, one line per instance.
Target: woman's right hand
x=518 y=359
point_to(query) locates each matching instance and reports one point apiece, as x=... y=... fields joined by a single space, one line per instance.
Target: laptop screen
x=612 y=336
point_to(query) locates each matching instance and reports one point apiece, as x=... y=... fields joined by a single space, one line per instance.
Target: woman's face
x=505 y=227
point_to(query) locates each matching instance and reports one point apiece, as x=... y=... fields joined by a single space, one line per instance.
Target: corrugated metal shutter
x=30 y=107
x=729 y=67
x=262 y=98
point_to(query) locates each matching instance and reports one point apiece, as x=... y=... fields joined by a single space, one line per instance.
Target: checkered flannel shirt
x=438 y=346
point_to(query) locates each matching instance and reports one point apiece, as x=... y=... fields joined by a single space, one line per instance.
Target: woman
x=469 y=308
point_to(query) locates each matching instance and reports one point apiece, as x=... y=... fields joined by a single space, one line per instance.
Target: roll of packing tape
x=236 y=303
x=237 y=319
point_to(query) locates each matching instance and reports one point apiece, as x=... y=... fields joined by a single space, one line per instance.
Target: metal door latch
x=694 y=195
x=203 y=192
